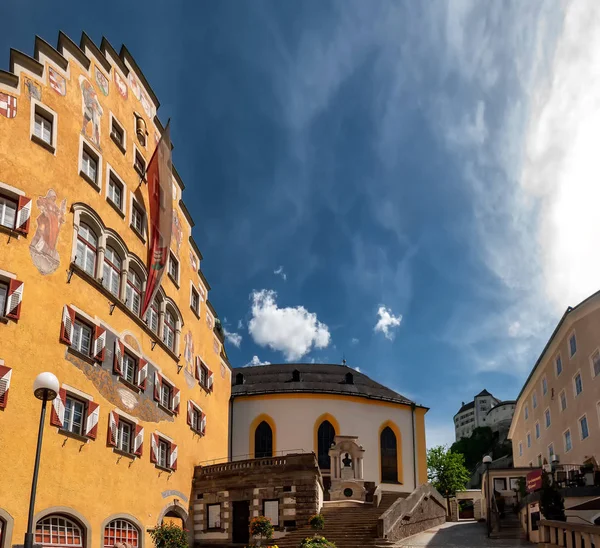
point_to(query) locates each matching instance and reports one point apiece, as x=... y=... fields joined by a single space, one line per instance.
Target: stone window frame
x=90 y=151
x=37 y=107
x=219 y=525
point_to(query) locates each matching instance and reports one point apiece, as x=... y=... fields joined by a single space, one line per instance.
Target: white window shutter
x=203 y=425
x=173 y=457
x=99 y=343
x=57 y=415
x=176 y=400
x=118 y=361
x=138 y=440
x=113 y=425
x=5 y=375
x=190 y=410
x=209 y=383
x=154 y=448
x=23 y=215
x=142 y=373
x=67 y=323
x=14 y=298
x=91 y=422
x=157 y=384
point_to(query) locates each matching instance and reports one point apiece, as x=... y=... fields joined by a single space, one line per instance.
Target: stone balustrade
x=570 y=535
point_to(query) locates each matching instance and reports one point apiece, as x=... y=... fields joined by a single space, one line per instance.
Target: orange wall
x=90 y=477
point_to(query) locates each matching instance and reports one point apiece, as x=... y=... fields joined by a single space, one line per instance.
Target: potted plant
x=169 y=535
x=316 y=542
x=262 y=528
x=317 y=522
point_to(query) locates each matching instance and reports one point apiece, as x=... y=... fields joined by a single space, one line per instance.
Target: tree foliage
x=552 y=503
x=169 y=535
x=482 y=442
x=446 y=470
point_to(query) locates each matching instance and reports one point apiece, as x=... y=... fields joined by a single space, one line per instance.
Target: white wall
x=500 y=413
x=295 y=419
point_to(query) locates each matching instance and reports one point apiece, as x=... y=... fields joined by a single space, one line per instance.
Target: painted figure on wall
x=57 y=82
x=188 y=356
x=177 y=232
x=102 y=81
x=134 y=85
x=34 y=89
x=121 y=85
x=43 y=245
x=193 y=261
x=147 y=106
x=92 y=111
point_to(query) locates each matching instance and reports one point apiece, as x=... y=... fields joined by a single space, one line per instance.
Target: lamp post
x=487 y=460
x=45 y=388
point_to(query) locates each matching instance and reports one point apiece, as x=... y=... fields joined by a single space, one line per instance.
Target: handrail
x=247 y=456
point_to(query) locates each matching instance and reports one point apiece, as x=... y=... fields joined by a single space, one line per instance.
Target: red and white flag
x=160 y=197
x=8 y=105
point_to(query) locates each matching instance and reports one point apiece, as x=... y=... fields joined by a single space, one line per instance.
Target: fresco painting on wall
x=135 y=85
x=57 y=82
x=177 y=231
x=146 y=104
x=33 y=89
x=43 y=245
x=193 y=261
x=188 y=355
x=102 y=81
x=8 y=105
x=92 y=111
x=121 y=85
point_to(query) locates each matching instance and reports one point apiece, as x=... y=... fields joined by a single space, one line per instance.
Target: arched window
x=58 y=531
x=87 y=247
x=134 y=292
x=111 y=275
x=152 y=315
x=325 y=436
x=263 y=441
x=169 y=330
x=389 y=456
x=121 y=530
x=2 y=528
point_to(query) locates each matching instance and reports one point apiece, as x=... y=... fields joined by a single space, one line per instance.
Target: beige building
x=558 y=409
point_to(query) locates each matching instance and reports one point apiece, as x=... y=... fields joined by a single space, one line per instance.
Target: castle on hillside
x=484 y=410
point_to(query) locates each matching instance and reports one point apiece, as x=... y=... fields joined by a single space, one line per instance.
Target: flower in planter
x=261 y=526
x=317 y=522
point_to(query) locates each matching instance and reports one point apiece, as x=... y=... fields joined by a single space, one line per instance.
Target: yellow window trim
x=324 y=417
x=254 y=425
x=394 y=428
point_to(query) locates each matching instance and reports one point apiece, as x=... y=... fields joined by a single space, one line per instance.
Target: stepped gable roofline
x=466 y=407
x=203 y=278
x=108 y=51
x=41 y=46
x=87 y=43
x=65 y=43
x=315 y=378
x=127 y=57
x=195 y=247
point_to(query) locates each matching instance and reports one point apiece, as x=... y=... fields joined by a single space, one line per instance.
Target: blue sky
x=409 y=185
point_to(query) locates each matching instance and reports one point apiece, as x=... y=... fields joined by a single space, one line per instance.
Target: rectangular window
x=583 y=427
x=165 y=394
x=577 y=383
x=117 y=134
x=115 y=191
x=124 y=436
x=568 y=445
x=89 y=165
x=3 y=294
x=526 y=411
x=547 y=417
x=214 y=516
x=572 y=345
x=499 y=484
x=140 y=164
x=195 y=419
x=137 y=218
x=550 y=452
x=596 y=363
x=42 y=127
x=540 y=461
x=544 y=386
x=520 y=449
x=563 y=400
x=163 y=453
x=203 y=375
x=129 y=368
x=534 y=400
x=195 y=301
x=8 y=212
x=152 y=316
x=559 y=367
x=528 y=440
x=537 y=430
x=174 y=268
x=271 y=511
x=82 y=337
x=74 y=414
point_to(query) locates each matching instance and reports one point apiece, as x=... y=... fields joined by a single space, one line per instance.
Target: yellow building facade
x=142 y=400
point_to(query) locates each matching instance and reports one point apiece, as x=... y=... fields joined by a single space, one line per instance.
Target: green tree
x=446 y=470
x=552 y=504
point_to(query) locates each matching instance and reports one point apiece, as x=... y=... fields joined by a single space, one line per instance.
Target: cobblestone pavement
x=465 y=534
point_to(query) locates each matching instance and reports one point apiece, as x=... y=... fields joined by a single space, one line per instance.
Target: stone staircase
x=347 y=524
x=510 y=528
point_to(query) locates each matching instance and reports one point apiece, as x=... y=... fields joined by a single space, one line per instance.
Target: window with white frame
x=558 y=364
x=544 y=386
x=152 y=316
x=595 y=359
x=195 y=418
x=169 y=330
x=139 y=163
x=583 y=427
x=57 y=530
x=195 y=301
x=124 y=435
x=164 y=448
x=572 y=345
x=577 y=384
x=563 y=400
x=568 y=443
x=528 y=440
x=174 y=268
x=271 y=511
x=121 y=531
x=89 y=164
x=166 y=394
x=134 y=292
x=138 y=218
x=115 y=191
x=86 y=251
x=42 y=125
x=3 y=295
x=111 y=275
x=82 y=337
x=547 y=418
x=214 y=516
x=129 y=368
x=8 y=212
x=117 y=133
x=537 y=430
x=74 y=415
x=203 y=375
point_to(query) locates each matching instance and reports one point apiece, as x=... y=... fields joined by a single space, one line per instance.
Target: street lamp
x=45 y=388
x=487 y=460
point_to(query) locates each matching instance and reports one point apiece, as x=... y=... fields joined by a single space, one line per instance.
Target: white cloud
x=355 y=340
x=256 y=361
x=291 y=330
x=279 y=271
x=240 y=324
x=234 y=338
x=387 y=322
x=357 y=369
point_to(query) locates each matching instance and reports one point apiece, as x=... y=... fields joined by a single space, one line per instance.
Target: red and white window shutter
x=203 y=424
x=157 y=384
x=198 y=368
x=154 y=448
x=173 y=457
x=14 y=298
x=138 y=440
x=91 y=421
x=23 y=215
x=113 y=426
x=99 y=343
x=66 y=326
x=209 y=381
x=190 y=411
x=176 y=401
x=118 y=361
x=5 y=375
x=57 y=415
x=142 y=375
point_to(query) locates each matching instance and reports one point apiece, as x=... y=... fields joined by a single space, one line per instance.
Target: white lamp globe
x=46 y=383
x=487 y=460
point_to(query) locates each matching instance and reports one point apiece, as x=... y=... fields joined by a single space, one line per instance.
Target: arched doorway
x=389 y=456
x=59 y=531
x=263 y=441
x=173 y=518
x=325 y=437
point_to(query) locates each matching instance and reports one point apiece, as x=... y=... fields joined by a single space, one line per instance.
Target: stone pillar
x=100 y=262
x=361 y=468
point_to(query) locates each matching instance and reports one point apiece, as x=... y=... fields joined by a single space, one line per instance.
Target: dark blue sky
x=374 y=150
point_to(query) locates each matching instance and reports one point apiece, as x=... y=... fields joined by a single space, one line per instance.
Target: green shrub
x=169 y=535
x=316 y=542
x=262 y=526
x=317 y=522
